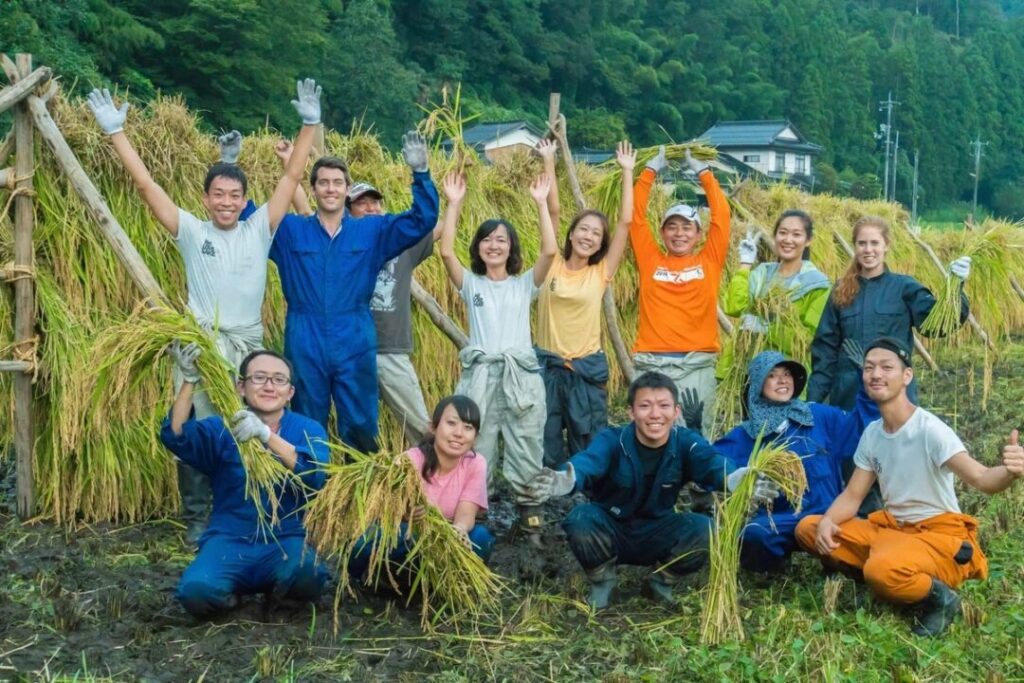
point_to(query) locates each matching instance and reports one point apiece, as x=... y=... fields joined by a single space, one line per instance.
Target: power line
x=887 y=106
x=977 y=144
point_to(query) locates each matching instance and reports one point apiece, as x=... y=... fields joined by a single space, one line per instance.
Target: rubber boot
x=938 y=610
x=531 y=521
x=602 y=583
x=659 y=588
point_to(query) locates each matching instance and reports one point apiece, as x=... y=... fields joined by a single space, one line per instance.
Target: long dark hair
x=467 y=410
x=602 y=250
x=805 y=218
x=515 y=253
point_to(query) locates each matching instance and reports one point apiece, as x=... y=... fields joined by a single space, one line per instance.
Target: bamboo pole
x=436 y=314
x=556 y=122
x=15 y=366
x=15 y=93
x=24 y=296
x=6 y=147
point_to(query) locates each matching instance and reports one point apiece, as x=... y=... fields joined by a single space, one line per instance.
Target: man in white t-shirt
x=919 y=547
x=225 y=258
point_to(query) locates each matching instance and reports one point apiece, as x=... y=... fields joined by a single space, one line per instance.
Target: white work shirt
x=226 y=270
x=498 y=310
x=910 y=466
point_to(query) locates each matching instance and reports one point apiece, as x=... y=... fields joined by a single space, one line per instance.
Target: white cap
x=683 y=211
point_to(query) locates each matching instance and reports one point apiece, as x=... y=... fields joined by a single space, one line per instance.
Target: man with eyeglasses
x=236 y=557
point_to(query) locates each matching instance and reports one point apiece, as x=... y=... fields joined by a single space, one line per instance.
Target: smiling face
x=791 y=239
x=494 y=248
x=885 y=376
x=453 y=437
x=366 y=205
x=585 y=239
x=258 y=388
x=778 y=385
x=655 y=412
x=870 y=247
x=224 y=201
x=330 y=190
x=680 y=235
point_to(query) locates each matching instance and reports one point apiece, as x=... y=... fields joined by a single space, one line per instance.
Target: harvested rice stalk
x=986 y=259
x=125 y=352
x=721 y=615
x=370 y=494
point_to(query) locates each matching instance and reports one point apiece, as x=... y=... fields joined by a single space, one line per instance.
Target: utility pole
x=887 y=106
x=958 y=19
x=977 y=144
x=913 y=198
x=895 y=166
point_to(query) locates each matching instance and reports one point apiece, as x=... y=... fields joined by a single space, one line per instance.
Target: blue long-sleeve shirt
x=610 y=473
x=207 y=446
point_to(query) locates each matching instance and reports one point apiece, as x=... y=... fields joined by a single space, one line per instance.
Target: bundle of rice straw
x=367 y=498
x=986 y=255
x=721 y=615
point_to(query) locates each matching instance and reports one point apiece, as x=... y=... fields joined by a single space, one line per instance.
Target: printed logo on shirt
x=663 y=274
x=876 y=465
x=208 y=249
x=383 y=299
x=553 y=281
x=478 y=300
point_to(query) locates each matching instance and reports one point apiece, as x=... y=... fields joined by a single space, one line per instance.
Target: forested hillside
x=650 y=70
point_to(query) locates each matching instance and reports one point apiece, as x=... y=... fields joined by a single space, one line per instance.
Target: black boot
x=531 y=521
x=937 y=611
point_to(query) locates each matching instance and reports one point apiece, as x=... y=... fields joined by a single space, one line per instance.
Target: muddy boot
x=938 y=610
x=531 y=521
x=602 y=583
x=659 y=588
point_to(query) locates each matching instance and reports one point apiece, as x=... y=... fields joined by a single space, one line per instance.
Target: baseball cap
x=683 y=211
x=360 y=189
x=891 y=344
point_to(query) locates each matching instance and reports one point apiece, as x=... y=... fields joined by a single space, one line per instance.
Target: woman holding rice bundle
x=454 y=479
x=869 y=301
x=499 y=366
x=569 y=316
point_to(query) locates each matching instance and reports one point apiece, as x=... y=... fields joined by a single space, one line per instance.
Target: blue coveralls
x=329 y=335
x=825 y=448
x=629 y=525
x=234 y=557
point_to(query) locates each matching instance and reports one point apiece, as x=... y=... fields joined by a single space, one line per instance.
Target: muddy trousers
x=596 y=537
x=694 y=370
x=227 y=567
x=481 y=538
x=899 y=562
x=401 y=393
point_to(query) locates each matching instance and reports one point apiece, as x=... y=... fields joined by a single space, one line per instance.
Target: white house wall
x=518 y=137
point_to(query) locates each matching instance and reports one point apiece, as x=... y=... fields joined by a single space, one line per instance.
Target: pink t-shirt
x=468 y=481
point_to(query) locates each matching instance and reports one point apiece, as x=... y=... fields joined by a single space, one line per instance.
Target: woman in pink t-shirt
x=454 y=479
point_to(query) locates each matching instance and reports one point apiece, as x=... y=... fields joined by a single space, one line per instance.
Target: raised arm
x=625 y=157
x=548 y=149
x=455 y=192
x=404 y=230
x=111 y=120
x=717 y=243
x=644 y=245
x=308 y=107
x=300 y=202
x=539 y=190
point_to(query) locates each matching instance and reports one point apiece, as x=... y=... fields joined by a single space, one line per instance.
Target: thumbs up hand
x=1013 y=455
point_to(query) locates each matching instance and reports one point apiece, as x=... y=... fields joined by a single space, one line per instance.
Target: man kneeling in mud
x=633 y=475
x=236 y=556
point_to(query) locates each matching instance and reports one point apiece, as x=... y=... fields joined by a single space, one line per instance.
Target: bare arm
x=455 y=191
x=182 y=407
x=548 y=150
x=284 y=193
x=548 y=248
x=625 y=156
x=283 y=450
x=300 y=202
x=842 y=509
x=990 y=479
x=164 y=210
x=465 y=515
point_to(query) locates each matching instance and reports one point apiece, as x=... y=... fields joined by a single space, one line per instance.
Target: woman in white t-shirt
x=499 y=367
x=569 y=316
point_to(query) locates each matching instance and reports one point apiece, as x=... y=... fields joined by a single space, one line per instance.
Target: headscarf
x=772 y=417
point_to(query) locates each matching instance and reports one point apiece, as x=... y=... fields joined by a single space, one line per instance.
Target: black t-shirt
x=650 y=459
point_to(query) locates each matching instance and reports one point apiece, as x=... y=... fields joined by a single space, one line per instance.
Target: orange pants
x=899 y=562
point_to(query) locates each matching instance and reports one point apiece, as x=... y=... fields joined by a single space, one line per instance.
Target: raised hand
x=694 y=165
x=283 y=150
x=625 y=156
x=547 y=149
x=1013 y=455
x=230 y=146
x=185 y=357
x=454 y=185
x=748 y=246
x=414 y=149
x=540 y=187
x=308 y=102
x=110 y=118
x=659 y=162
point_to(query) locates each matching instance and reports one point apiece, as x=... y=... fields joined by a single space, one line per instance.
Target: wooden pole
x=6 y=147
x=13 y=94
x=15 y=366
x=434 y=311
x=24 y=298
x=1015 y=284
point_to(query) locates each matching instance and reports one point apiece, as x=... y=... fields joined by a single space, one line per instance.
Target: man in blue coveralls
x=632 y=476
x=235 y=556
x=328 y=263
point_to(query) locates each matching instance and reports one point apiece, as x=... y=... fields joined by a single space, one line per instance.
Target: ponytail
x=848 y=286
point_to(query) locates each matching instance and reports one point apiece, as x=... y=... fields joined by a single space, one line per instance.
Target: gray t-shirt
x=391 y=300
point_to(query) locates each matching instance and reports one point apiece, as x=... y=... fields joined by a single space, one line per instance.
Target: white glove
x=659 y=161
x=245 y=425
x=765 y=490
x=961 y=267
x=748 y=249
x=308 y=104
x=550 y=483
x=110 y=118
x=414 y=149
x=230 y=146
x=696 y=166
x=185 y=358
x=751 y=323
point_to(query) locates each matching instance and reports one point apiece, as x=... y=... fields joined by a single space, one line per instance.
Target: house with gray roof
x=775 y=148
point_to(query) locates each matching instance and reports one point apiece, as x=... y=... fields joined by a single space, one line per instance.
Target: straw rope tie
x=27 y=191
x=25 y=351
x=12 y=272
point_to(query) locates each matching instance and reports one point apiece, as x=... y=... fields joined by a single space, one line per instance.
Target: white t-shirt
x=498 y=310
x=909 y=465
x=226 y=270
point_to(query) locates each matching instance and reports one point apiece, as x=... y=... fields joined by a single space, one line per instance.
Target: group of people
x=346 y=271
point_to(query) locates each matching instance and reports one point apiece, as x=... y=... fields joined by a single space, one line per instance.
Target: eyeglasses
x=261 y=378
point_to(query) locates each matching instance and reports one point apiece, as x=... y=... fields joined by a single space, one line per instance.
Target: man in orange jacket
x=678 y=333
x=920 y=547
